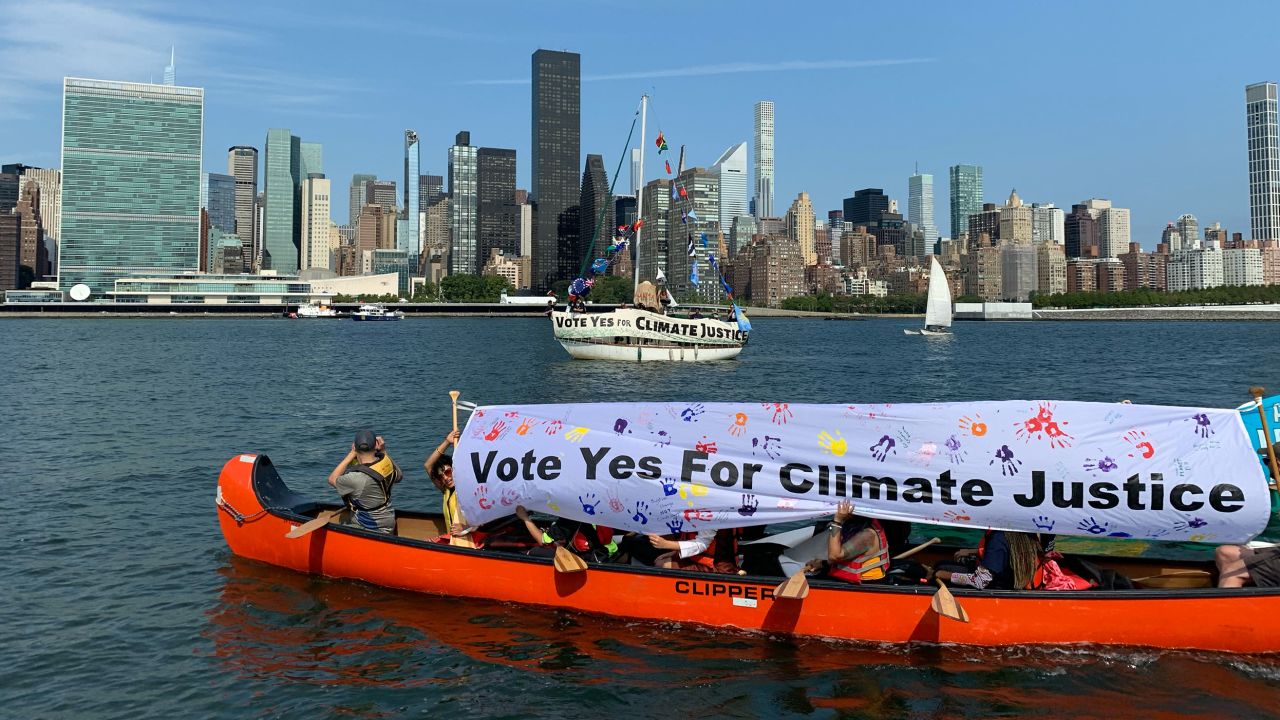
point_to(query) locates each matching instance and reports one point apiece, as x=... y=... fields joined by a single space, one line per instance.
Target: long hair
x=1024 y=558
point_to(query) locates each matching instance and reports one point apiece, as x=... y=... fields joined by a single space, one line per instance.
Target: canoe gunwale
x=277 y=499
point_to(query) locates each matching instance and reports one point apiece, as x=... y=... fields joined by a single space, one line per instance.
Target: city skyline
x=1126 y=149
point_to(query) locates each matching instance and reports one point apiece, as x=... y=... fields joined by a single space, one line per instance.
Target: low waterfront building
x=1144 y=271
x=515 y=270
x=216 y=289
x=1082 y=275
x=384 y=284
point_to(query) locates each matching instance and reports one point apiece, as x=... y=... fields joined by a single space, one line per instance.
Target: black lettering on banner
x=621 y=466
x=482 y=471
x=917 y=490
x=976 y=493
x=508 y=469
x=1104 y=496
x=945 y=486
x=1177 y=494
x=791 y=484
x=724 y=474
x=593 y=460
x=1037 y=491
x=649 y=468
x=1225 y=493
x=749 y=471
x=874 y=486
x=549 y=468
x=1076 y=500
x=689 y=465
x=1157 y=491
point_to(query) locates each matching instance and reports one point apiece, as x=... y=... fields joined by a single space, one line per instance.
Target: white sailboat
x=642 y=334
x=937 y=311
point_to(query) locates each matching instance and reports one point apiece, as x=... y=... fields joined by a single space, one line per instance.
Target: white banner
x=642 y=324
x=1071 y=468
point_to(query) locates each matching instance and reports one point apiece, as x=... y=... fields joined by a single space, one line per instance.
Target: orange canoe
x=256 y=509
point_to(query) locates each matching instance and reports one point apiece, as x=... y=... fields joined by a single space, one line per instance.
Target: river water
x=122 y=600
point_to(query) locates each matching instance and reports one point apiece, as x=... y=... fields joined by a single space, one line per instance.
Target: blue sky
x=1142 y=103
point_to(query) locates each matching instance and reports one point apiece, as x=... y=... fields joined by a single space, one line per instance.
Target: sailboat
x=646 y=333
x=937 y=311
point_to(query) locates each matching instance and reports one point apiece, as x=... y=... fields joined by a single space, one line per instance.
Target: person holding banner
x=439 y=467
x=590 y=542
x=857 y=549
x=705 y=551
x=1241 y=564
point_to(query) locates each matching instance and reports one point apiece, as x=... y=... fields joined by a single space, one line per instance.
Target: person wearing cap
x=364 y=479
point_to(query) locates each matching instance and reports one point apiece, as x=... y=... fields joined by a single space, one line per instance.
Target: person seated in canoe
x=1002 y=561
x=1239 y=565
x=704 y=551
x=364 y=478
x=857 y=548
x=439 y=467
x=593 y=543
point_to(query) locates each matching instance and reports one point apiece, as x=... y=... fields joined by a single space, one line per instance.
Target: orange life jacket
x=852 y=570
x=1037 y=579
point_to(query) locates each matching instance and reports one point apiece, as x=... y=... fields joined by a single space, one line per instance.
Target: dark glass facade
x=497 y=215
x=596 y=219
x=556 y=150
x=865 y=206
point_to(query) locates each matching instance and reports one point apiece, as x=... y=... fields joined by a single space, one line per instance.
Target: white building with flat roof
x=1242 y=266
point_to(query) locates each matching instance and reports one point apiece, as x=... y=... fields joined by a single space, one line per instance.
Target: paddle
x=324 y=518
x=567 y=562
x=1267 y=445
x=796 y=587
x=453 y=395
x=944 y=603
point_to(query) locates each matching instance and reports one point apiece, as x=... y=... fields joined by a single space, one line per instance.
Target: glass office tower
x=131 y=181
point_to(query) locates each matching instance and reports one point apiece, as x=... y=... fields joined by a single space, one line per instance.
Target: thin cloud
x=726 y=69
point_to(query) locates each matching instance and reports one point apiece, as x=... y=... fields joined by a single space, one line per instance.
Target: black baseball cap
x=365 y=440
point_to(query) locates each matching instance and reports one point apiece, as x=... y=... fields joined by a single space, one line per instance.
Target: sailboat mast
x=644 y=111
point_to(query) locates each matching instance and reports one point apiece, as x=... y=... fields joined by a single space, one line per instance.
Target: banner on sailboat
x=647 y=325
x=1091 y=469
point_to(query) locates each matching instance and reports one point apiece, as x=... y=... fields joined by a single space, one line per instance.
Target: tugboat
x=310 y=311
x=376 y=311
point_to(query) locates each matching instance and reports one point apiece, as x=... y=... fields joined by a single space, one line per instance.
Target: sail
x=1070 y=468
x=937 y=312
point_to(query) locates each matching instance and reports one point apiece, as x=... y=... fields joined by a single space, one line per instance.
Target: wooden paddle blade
x=795 y=587
x=944 y=603
x=324 y=518
x=918 y=548
x=567 y=562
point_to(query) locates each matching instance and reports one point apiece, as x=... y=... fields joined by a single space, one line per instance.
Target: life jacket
x=876 y=564
x=1037 y=579
x=588 y=538
x=723 y=548
x=385 y=473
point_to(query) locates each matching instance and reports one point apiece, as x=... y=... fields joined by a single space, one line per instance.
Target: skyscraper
x=131 y=181
x=218 y=197
x=497 y=214
x=732 y=171
x=1113 y=227
x=1189 y=229
x=430 y=191
x=557 y=152
x=596 y=216
x=358 y=192
x=920 y=206
x=966 y=196
x=407 y=231
x=170 y=70
x=764 y=159
x=1264 y=161
x=242 y=164
x=315 y=222
x=864 y=208
x=463 y=171
x=637 y=180
x=1081 y=231
x=281 y=232
x=381 y=192
x=800 y=222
